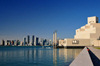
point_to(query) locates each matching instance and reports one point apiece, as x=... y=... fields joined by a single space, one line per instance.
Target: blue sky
x=19 y=18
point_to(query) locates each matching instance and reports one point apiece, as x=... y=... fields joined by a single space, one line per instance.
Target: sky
x=19 y=18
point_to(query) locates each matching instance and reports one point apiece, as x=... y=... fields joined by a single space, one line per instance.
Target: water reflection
x=64 y=55
x=55 y=57
x=37 y=56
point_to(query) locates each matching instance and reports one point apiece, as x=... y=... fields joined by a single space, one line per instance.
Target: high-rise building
x=12 y=42
x=33 y=40
x=41 y=41
x=3 y=43
x=44 y=42
x=8 y=42
x=28 y=39
x=24 y=41
x=37 y=41
x=18 y=42
x=55 y=38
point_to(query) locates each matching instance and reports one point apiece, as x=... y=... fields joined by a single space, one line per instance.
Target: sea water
x=36 y=56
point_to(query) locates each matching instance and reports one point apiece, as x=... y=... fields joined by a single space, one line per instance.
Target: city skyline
x=19 y=18
x=27 y=41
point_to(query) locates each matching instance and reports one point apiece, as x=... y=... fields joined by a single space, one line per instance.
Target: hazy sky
x=19 y=18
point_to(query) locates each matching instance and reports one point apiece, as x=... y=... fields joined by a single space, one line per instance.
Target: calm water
x=36 y=56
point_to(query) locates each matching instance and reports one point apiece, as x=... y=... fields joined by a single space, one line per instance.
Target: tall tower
x=28 y=39
x=32 y=40
x=55 y=38
x=37 y=40
x=24 y=41
x=3 y=42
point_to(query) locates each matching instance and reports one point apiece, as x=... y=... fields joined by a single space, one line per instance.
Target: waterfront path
x=83 y=59
x=95 y=56
x=89 y=56
x=95 y=51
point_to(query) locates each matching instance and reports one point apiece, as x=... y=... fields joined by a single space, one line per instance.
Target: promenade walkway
x=95 y=51
x=87 y=57
x=95 y=56
x=83 y=59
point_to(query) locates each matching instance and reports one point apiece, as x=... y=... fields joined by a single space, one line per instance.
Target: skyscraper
x=24 y=41
x=17 y=42
x=55 y=38
x=12 y=42
x=37 y=41
x=28 y=39
x=8 y=42
x=44 y=42
x=33 y=40
x=3 y=42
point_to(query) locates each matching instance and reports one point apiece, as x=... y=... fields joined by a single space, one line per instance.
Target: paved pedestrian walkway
x=95 y=51
x=83 y=59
